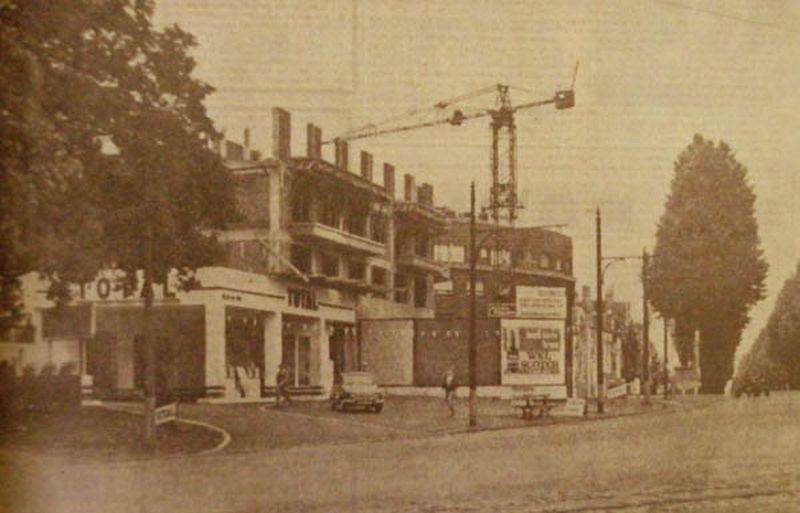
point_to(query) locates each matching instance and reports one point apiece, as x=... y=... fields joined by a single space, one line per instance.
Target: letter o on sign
x=103 y=288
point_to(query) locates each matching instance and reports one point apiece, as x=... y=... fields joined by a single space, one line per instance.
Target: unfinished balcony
x=324 y=235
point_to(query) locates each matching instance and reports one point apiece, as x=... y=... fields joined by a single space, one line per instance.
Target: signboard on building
x=166 y=413
x=532 y=352
x=541 y=302
x=502 y=310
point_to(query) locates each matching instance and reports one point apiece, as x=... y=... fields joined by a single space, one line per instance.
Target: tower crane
x=503 y=199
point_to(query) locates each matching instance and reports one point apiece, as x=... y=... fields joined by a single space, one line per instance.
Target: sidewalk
x=259 y=427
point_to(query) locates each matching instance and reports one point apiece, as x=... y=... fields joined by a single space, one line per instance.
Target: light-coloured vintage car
x=357 y=390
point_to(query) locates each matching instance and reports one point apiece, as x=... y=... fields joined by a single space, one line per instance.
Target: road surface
x=732 y=456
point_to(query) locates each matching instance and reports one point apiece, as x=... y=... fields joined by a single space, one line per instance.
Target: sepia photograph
x=399 y=256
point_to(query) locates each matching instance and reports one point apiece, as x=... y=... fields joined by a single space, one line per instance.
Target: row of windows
x=452 y=253
x=448 y=287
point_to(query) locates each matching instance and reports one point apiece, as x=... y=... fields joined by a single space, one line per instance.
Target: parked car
x=357 y=390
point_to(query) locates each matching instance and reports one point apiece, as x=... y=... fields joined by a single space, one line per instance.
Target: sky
x=651 y=74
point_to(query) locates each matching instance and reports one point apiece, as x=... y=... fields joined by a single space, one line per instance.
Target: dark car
x=357 y=390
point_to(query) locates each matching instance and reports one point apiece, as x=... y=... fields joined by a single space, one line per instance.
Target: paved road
x=731 y=456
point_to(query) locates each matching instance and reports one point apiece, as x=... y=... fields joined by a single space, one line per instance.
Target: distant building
x=507 y=258
x=619 y=331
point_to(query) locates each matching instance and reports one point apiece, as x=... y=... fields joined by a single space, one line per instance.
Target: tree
x=74 y=78
x=708 y=269
x=77 y=76
x=783 y=330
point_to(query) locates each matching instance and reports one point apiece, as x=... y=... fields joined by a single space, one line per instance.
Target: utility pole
x=666 y=367
x=645 y=332
x=599 y=312
x=147 y=292
x=473 y=343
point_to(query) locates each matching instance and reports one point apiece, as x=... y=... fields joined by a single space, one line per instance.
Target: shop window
x=443 y=287
x=300 y=257
x=330 y=265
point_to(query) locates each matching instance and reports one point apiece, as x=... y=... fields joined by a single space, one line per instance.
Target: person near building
x=282 y=382
x=449 y=385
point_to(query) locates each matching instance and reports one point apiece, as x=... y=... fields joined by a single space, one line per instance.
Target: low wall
x=387 y=347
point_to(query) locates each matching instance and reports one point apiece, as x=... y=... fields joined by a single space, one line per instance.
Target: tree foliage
x=708 y=269
x=77 y=76
x=782 y=332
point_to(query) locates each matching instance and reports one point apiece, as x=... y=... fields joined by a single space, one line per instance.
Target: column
x=273 y=346
x=215 y=345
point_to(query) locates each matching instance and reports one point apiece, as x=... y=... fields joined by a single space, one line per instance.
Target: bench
x=534 y=403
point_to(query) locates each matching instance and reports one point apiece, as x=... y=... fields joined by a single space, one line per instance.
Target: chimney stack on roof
x=425 y=194
x=313 y=141
x=410 y=189
x=246 y=150
x=366 y=165
x=388 y=179
x=281 y=134
x=342 y=158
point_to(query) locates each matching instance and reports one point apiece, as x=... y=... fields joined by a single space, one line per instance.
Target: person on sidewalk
x=450 y=386
x=282 y=381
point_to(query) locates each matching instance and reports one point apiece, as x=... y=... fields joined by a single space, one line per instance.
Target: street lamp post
x=599 y=311
x=666 y=366
x=645 y=331
x=473 y=343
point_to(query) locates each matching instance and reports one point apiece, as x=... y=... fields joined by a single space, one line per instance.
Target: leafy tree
x=783 y=330
x=707 y=269
x=77 y=76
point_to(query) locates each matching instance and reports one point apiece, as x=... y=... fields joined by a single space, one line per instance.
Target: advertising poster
x=532 y=352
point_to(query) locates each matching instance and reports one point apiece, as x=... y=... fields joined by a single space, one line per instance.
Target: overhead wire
x=728 y=16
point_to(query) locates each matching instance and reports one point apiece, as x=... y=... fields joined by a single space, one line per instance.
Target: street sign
x=166 y=413
x=502 y=310
x=618 y=391
x=572 y=408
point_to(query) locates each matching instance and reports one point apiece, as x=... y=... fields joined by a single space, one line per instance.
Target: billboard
x=532 y=352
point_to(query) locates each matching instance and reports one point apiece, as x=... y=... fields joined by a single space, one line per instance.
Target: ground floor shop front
x=224 y=339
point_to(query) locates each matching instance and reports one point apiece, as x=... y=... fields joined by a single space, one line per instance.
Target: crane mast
x=503 y=199
x=503 y=160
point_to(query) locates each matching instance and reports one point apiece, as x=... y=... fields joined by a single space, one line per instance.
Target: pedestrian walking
x=282 y=381
x=450 y=386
